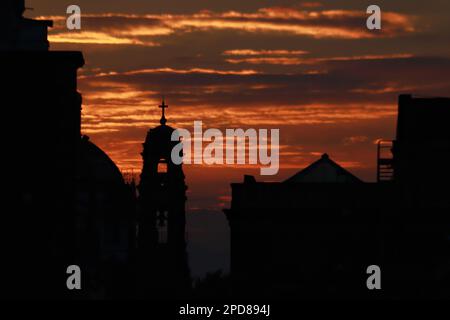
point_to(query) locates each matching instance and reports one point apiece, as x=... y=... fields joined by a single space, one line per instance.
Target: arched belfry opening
x=162 y=220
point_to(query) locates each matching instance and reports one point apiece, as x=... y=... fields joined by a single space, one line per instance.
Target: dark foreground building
x=314 y=235
x=66 y=202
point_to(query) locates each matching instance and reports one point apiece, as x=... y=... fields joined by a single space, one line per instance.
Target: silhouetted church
x=162 y=253
x=67 y=201
x=315 y=234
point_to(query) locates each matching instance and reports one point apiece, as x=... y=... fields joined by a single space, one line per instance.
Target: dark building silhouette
x=105 y=224
x=421 y=150
x=67 y=203
x=417 y=223
x=19 y=33
x=307 y=237
x=323 y=170
x=161 y=234
x=314 y=235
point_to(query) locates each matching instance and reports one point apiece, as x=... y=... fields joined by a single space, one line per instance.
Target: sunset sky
x=309 y=68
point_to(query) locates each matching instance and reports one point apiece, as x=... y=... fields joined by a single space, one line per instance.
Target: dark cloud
x=373 y=81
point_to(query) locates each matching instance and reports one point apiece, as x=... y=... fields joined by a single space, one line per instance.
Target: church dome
x=96 y=166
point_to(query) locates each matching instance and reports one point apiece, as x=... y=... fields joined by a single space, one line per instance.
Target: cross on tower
x=163 y=106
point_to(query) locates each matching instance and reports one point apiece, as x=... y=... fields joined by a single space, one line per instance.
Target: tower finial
x=163 y=106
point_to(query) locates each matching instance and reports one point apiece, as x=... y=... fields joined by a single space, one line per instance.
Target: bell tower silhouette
x=162 y=220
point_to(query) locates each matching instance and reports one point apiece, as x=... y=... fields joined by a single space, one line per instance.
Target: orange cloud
x=193 y=70
x=265 y=60
x=250 y=52
x=312 y=61
x=89 y=37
